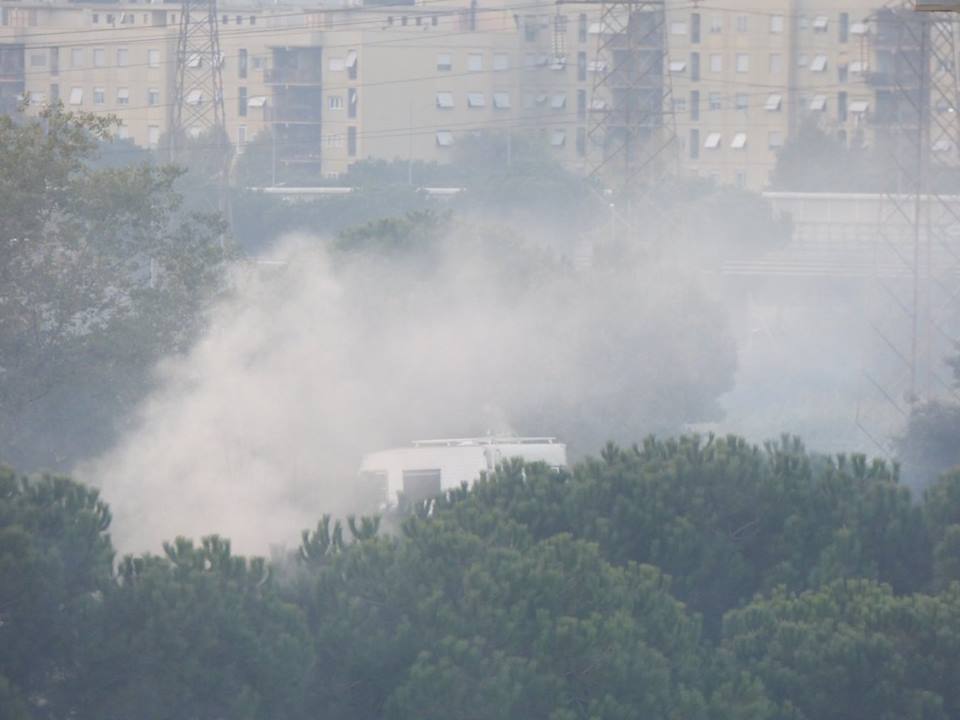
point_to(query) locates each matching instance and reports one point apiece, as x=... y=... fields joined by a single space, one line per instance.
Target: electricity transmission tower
x=631 y=136
x=917 y=128
x=198 y=109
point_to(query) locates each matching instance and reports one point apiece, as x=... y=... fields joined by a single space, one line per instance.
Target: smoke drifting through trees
x=397 y=332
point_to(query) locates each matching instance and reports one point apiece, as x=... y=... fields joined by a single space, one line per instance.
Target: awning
x=476 y=100
x=195 y=97
x=678 y=66
x=712 y=142
x=351 y=58
x=501 y=101
x=859 y=106
x=820 y=22
x=558 y=138
x=773 y=103
x=444 y=100
x=819 y=63
x=444 y=138
x=257 y=101
x=819 y=102
x=739 y=141
x=558 y=101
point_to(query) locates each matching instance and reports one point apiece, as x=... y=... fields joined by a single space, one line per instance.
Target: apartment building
x=330 y=85
x=743 y=80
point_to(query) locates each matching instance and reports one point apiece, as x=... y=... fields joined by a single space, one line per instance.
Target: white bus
x=428 y=467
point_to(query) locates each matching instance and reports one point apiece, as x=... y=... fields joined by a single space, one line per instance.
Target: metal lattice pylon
x=198 y=95
x=631 y=135
x=917 y=128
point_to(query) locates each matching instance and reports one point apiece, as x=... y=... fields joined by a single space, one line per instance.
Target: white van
x=428 y=467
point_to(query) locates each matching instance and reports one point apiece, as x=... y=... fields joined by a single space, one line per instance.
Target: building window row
x=501 y=100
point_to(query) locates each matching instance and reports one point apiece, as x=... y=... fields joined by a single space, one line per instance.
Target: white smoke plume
x=259 y=429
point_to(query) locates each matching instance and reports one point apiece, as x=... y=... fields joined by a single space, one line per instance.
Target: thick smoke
x=309 y=363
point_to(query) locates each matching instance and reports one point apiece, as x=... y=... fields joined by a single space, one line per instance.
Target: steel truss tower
x=198 y=95
x=631 y=136
x=917 y=129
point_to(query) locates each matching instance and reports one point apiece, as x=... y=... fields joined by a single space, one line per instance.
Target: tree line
x=683 y=578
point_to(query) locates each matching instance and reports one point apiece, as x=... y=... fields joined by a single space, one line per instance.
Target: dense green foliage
x=101 y=273
x=689 y=578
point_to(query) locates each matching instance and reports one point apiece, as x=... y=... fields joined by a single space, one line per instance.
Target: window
x=241 y=135
x=123 y=96
x=99 y=57
x=842 y=106
x=419 y=20
x=581 y=67
x=403 y=20
x=716 y=63
x=434 y=20
x=335 y=102
x=242 y=63
x=123 y=132
x=678 y=28
x=36 y=98
x=352 y=141
x=739 y=141
x=38 y=59
x=352 y=102
x=582 y=28
x=444 y=139
x=776 y=63
x=581 y=141
x=743 y=63
x=76 y=96
x=475 y=62
x=581 y=104
x=530 y=28
x=501 y=100
x=679 y=105
x=558 y=101
x=258 y=63
x=773 y=104
x=444 y=63
x=774 y=139
x=153 y=58
x=242 y=101
x=352 y=58
x=54 y=93
x=843 y=28
x=153 y=135
x=842 y=72
x=803 y=61
x=694 y=143
x=695 y=66
x=695 y=28
x=444 y=100
x=716 y=24
x=694 y=105
x=742 y=102
x=96 y=18
x=803 y=22
x=715 y=101
x=153 y=96
x=819 y=63
x=776 y=23
x=741 y=23
x=76 y=57
x=501 y=61
x=558 y=138
x=123 y=57
x=713 y=141
x=253 y=19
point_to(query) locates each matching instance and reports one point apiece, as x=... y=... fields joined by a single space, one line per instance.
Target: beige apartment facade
x=330 y=86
